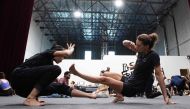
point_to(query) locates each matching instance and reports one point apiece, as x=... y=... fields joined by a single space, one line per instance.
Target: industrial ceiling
x=100 y=21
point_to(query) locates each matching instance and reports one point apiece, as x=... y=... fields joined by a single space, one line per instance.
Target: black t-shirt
x=40 y=59
x=143 y=70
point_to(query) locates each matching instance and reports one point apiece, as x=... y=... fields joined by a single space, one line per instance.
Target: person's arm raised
x=130 y=45
x=66 y=52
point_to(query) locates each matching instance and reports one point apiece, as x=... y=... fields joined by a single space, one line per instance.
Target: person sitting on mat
x=65 y=79
x=35 y=76
x=147 y=61
x=5 y=87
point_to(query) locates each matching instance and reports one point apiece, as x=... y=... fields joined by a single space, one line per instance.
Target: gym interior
x=97 y=28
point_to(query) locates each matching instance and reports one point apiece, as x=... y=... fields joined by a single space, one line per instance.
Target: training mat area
x=15 y=102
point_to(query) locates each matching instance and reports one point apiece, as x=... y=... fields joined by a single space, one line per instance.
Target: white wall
x=160 y=46
x=182 y=19
x=93 y=67
x=36 y=42
x=170 y=64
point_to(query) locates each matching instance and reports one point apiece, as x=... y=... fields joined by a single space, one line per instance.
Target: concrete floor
x=183 y=102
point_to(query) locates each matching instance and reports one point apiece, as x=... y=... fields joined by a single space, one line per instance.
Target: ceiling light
x=77 y=14
x=118 y=3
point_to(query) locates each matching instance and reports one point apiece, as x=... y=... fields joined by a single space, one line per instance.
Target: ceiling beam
x=95 y=12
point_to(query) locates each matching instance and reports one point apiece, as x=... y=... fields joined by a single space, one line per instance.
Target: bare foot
x=40 y=100
x=92 y=96
x=33 y=102
x=73 y=70
x=118 y=99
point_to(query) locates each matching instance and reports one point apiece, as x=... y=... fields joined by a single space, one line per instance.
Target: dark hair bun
x=153 y=37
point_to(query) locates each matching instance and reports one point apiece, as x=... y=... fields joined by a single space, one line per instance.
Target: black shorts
x=124 y=79
x=127 y=90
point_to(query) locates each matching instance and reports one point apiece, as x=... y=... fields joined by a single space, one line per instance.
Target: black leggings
x=25 y=79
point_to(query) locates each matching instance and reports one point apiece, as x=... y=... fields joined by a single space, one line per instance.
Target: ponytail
x=150 y=39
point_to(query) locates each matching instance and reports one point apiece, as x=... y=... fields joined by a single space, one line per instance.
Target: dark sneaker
x=180 y=93
x=153 y=95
